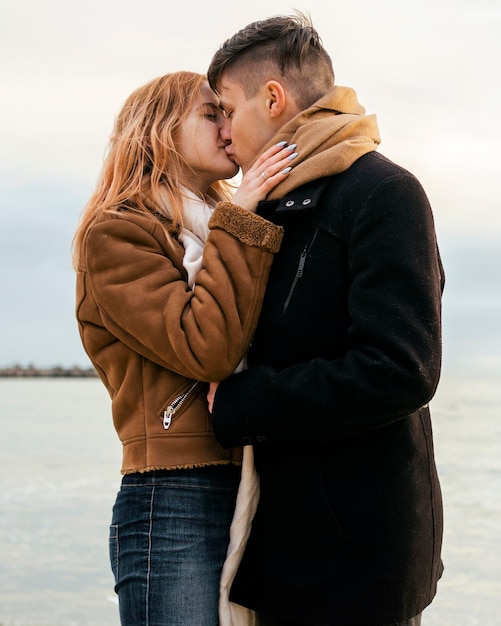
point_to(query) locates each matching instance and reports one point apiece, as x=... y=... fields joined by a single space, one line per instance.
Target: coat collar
x=304 y=198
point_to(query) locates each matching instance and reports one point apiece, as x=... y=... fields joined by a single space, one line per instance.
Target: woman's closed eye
x=213 y=112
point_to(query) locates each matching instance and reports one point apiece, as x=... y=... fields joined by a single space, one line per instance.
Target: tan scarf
x=330 y=136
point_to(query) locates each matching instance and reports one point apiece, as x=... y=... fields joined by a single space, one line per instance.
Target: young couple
x=322 y=273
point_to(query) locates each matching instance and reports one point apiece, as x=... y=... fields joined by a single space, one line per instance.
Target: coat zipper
x=176 y=404
x=300 y=267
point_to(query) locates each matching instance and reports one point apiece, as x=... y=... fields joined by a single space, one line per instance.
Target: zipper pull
x=302 y=261
x=176 y=404
x=167 y=419
x=300 y=268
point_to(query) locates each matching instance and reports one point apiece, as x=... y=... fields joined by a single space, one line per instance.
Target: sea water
x=59 y=473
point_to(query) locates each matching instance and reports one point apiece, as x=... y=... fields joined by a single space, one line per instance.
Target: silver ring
x=264 y=175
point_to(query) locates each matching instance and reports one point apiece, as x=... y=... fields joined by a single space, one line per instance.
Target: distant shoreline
x=31 y=371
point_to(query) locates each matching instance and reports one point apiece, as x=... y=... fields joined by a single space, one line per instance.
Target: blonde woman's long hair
x=142 y=168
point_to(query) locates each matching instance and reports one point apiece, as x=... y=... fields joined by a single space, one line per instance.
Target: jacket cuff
x=249 y=228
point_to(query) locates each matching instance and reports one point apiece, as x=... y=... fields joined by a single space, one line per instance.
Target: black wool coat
x=345 y=359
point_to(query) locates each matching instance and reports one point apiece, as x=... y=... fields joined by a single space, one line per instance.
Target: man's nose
x=225 y=131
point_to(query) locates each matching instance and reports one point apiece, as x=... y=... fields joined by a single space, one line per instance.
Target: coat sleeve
x=144 y=302
x=391 y=364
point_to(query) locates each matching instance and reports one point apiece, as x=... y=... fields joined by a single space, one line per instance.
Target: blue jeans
x=168 y=540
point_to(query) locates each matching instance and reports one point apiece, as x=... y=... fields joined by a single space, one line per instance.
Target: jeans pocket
x=113 y=548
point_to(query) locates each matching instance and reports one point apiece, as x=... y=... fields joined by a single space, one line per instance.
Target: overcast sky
x=428 y=69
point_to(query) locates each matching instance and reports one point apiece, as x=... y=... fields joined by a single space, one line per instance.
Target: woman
x=164 y=307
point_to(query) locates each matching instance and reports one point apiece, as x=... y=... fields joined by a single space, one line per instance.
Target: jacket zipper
x=176 y=404
x=300 y=267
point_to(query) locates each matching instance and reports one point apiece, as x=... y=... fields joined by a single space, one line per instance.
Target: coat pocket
x=294 y=508
x=300 y=268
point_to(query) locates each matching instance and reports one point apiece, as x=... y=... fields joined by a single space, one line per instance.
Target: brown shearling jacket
x=155 y=342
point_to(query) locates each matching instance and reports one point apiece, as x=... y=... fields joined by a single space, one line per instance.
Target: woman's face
x=200 y=142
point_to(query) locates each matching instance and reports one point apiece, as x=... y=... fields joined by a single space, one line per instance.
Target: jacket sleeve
x=144 y=301
x=391 y=364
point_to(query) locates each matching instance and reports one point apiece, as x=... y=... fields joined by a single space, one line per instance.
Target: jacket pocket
x=300 y=268
x=177 y=403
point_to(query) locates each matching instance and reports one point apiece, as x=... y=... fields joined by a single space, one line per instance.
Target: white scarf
x=193 y=235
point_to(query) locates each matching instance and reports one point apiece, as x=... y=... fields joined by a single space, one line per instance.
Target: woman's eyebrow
x=212 y=105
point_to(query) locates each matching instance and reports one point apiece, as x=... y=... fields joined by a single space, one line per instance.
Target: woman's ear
x=276 y=98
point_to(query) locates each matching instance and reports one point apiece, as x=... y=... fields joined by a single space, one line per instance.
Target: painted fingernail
x=291 y=147
x=286 y=170
x=282 y=143
x=292 y=156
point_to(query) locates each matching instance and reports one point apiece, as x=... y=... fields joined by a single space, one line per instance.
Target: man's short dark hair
x=285 y=48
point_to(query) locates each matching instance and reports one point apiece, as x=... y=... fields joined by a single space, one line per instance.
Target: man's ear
x=276 y=98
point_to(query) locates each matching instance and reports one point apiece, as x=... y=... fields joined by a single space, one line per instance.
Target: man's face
x=248 y=124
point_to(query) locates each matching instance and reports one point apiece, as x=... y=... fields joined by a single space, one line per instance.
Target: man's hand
x=210 y=395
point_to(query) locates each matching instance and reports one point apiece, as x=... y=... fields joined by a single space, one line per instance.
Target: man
x=346 y=355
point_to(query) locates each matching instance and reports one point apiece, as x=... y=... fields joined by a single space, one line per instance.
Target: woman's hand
x=210 y=395
x=266 y=173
